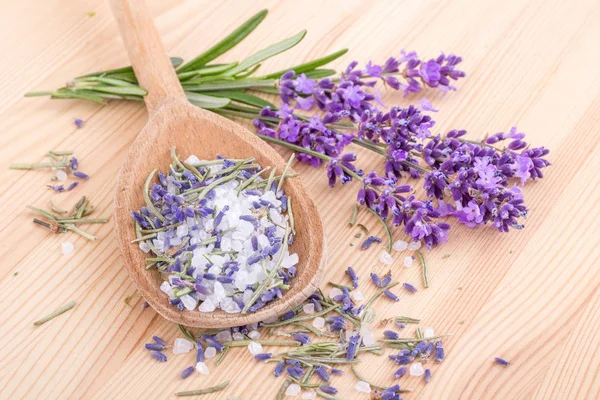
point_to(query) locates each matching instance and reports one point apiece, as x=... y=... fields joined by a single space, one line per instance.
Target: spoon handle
x=150 y=62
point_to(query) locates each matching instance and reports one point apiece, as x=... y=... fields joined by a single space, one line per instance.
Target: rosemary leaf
x=203 y=391
x=55 y=314
x=352 y=221
x=423 y=269
x=309 y=66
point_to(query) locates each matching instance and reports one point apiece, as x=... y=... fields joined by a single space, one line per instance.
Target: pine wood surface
x=530 y=296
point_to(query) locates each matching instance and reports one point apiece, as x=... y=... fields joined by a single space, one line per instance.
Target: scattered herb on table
x=55 y=314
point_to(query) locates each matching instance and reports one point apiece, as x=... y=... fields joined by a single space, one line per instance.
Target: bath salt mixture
x=219 y=233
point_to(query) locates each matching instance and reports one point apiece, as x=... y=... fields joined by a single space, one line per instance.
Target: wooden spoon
x=173 y=121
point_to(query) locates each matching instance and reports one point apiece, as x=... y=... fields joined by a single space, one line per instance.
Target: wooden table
x=529 y=296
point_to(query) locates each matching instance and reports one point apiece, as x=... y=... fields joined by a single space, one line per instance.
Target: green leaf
x=230 y=85
x=270 y=51
x=242 y=97
x=175 y=61
x=207 y=102
x=226 y=44
x=206 y=71
x=309 y=66
x=121 y=90
x=80 y=94
x=248 y=72
x=319 y=73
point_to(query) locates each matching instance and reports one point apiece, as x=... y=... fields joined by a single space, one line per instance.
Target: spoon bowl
x=173 y=121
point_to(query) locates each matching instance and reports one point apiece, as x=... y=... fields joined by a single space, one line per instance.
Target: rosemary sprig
x=361 y=378
x=352 y=221
x=199 y=392
x=55 y=314
x=423 y=268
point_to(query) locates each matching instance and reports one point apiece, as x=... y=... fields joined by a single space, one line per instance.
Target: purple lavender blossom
x=78 y=122
x=263 y=356
x=328 y=389
x=439 y=352
x=57 y=188
x=427 y=375
x=391 y=335
x=303 y=338
x=501 y=361
x=353 y=277
x=400 y=372
x=81 y=175
x=369 y=241
x=322 y=373
x=72 y=186
x=73 y=163
x=409 y=287
x=187 y=372
x=158 y=356
x=390 y=295
x=279 y=368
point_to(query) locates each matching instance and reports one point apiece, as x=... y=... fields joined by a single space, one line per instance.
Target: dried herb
x=55 y=314
x=199 y=392
x=423 y=268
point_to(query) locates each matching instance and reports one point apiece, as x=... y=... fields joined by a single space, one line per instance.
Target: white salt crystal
x=192 y=160
x=319 y=322
x=357 y=295
x=238 y=336
x=229 y=306
x=386 y=258
x=414 y=246
x=182 y=230
x=145 y=247
x=181 y=346
x=189 y=302
x=263 y=241
x=254 y=335
x=428 y=333
x=61 y=175
x=408 y=261
x=166 y=288
x=226 y=244
x=207 y=306
x=255 y=348
x=335 y=292
x=309 y=395
x=400 y=245
x=202 y=368
x=363 y=387
x=293 y=390
x=210 y=352
x=289 y=260
x=67 y=248
x=368 y=337
x=308 y=308
x=416 y=369
x=224 y=336
x=218 y=290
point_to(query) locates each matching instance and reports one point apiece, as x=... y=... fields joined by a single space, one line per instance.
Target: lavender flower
x=263 y=356
x=352 y=347
x=409 y=287
x=303 y=338
x=427 y=375
x=328 y=389
x=81 y=175
x=295 y=372
x=73 y=163
x=501 y=361
x=336 y=371
x=322 y=373
x=57 y=188
x=159 y=340
x=187 y=372
x=78 y=122
x=352 y=274
x=279 y=368
x=390 y=295
x=391 y=335
x=72 y=185
x=439 y=352
x=369 y=241
x=154 y=346
x=158 y=356
x=400 y=372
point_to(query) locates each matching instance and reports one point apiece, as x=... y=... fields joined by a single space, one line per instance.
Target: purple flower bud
x=400 y=325
x=322 y=373
x=159 y=340
x=154 y=346
x=376 y=280
x=352 y=274
x=73 y=163
x=328 y=389
x=57 y=188
x=288 y=315
x=301 y=337
x=400 y=372
x=391 y=335
x=390 y=295
x=81 y=175
x=263 y=356
x=501 y=361
x=295 y=372
x=336 y=371
x=279 y=368
x=78 y=122
x=427 y=376
x=159 y=356
x=409 y=287
x=72 y=186
x=187 y=372
x=369 y=241
x=403 y=360
x=199 y=352
x=439 y=352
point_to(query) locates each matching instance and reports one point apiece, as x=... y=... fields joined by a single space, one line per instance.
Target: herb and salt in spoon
x=175 y=122
x=219 y=234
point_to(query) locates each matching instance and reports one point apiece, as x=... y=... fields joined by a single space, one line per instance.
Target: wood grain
x=529 y=296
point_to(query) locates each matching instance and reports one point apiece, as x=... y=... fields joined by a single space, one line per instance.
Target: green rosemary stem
x=423 y=268
x=222 y=355
x=387 y=229
x=287 y=166
x=407 y=320
x=83 y=220
x=80 y=232
x=55 y=314
x=56 y=209
x=284 y=386
x=203 y=391
x=266 y=342
x=326 y=396
x=354 y=216
x=300 y=318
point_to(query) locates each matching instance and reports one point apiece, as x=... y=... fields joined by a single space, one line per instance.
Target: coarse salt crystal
x=255 y=348
x=207 y=306
x=189 y=302
x=182 y=230
x=400 y=245
x=386 y=258
x=319 y=322
x=363 y=387
x=181 y=346
x=357 y=295
x=414 y=246
x=289 y=260
x=428 y=333
x=145 y=247
x=408 y=261
x=308 y=308
x=309 y=395
x=192 y=160
x=61 y=175
x=416 y=369
x=293 y=390
x=224 y=336
x=67 y=248
x=335 y=292
x=202 y=368
x=254 y=335
x=367 y=335
x=238 y=336
x=210 y=352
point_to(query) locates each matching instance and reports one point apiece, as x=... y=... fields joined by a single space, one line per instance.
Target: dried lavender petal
x=78 y=122
x=72 y=185
x=501 y=361
x=390 y=295
x=159 y=340
x=322 y=373
x=409 y=287
x=159 y=356
x=187 y=372
x=328 y=389
x=81 y=175
x=369 y=241
x=439 y=352
x=391 y=335
x=279 y=368
x=263 y=356
x=301 y=337
x=400 y=372
x=427 y=375
x=154 y=346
